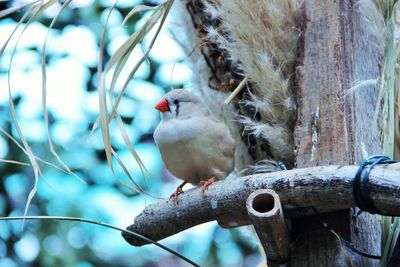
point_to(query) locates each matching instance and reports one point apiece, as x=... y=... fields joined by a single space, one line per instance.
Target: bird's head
x=179 y=103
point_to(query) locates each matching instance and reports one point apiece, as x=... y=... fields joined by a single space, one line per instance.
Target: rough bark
x=332 y=127
x=326 y=188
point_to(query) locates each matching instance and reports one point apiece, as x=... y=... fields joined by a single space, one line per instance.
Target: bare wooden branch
x=266 y=213
x=327 y=188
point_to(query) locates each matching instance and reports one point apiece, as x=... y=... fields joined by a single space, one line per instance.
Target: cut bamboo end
x=265 y=211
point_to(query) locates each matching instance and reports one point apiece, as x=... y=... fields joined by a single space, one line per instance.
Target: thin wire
x=361 y=190
x=342 y=240
x=62 y=218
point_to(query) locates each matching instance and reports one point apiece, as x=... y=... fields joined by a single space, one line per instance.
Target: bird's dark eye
x=176 y=101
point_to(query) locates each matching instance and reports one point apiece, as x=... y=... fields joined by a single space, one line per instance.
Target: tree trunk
x=334 y=127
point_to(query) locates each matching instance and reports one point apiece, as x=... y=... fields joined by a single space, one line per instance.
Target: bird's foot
x=205 y=184
x=174 y=196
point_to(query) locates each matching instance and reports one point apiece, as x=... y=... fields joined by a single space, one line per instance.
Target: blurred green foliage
x=71 y=64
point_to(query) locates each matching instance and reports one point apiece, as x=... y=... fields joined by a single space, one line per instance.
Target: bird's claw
x=174 y=196
x=205 y=184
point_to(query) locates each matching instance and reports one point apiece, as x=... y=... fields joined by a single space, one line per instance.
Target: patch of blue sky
x=165 y=48
x=66 y=77
x=91 y=103
x=146 y=255
x=94 y=140
x=142 y=72
x=7 y=262
x=82 y=3
x=77 y=237
x=3 y=204
x=33 y=37
x=145 y=92
x=200 y=238
x=65 y=83
x=65 y=133
x=121 y=3
x=84 y=51
x=80 y=43
x=54 y=245
x=25 y=84
x=127 y=107
x=84 y=264
x=222 y=236
x=148 y=152
x=172 y=73
x=58 y=206
x=110 y=206
x=146 y=119
x=32 y=129
x=28 y=110
x=3 y=249
x=16 y=226
x=5 y=230
x=79 y=157
x=70 y=103
x=101 y=175
x=3 y=148
x=114 y=20
x=60 y=186
x=23 y=60
x=16 y=185
x=119 y=212
x=102 y=242
x=27 y=248
x=230 y=254
x=52 y=10
x=117 y=140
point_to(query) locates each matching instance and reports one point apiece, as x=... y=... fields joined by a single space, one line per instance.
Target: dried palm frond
x=238 y=41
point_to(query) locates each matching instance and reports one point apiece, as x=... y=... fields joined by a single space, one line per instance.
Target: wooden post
x=334 y=128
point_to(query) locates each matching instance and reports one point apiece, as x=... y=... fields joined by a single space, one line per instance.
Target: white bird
x=194 y=145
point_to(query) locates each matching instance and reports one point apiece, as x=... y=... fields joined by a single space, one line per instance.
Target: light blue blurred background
x=72 y=56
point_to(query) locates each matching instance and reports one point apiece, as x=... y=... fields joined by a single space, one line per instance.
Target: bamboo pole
x=266 y=214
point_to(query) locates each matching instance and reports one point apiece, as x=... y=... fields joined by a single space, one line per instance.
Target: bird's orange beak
x=162 y=105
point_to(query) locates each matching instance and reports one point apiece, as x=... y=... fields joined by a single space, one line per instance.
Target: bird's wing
x=222 y=137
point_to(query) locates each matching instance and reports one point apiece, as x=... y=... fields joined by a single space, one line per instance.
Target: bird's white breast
x=194 y=149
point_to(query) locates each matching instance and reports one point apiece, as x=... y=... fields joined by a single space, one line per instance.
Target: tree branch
x=327 y=188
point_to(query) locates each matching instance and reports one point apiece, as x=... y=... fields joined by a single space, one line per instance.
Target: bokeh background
x=72 y=56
